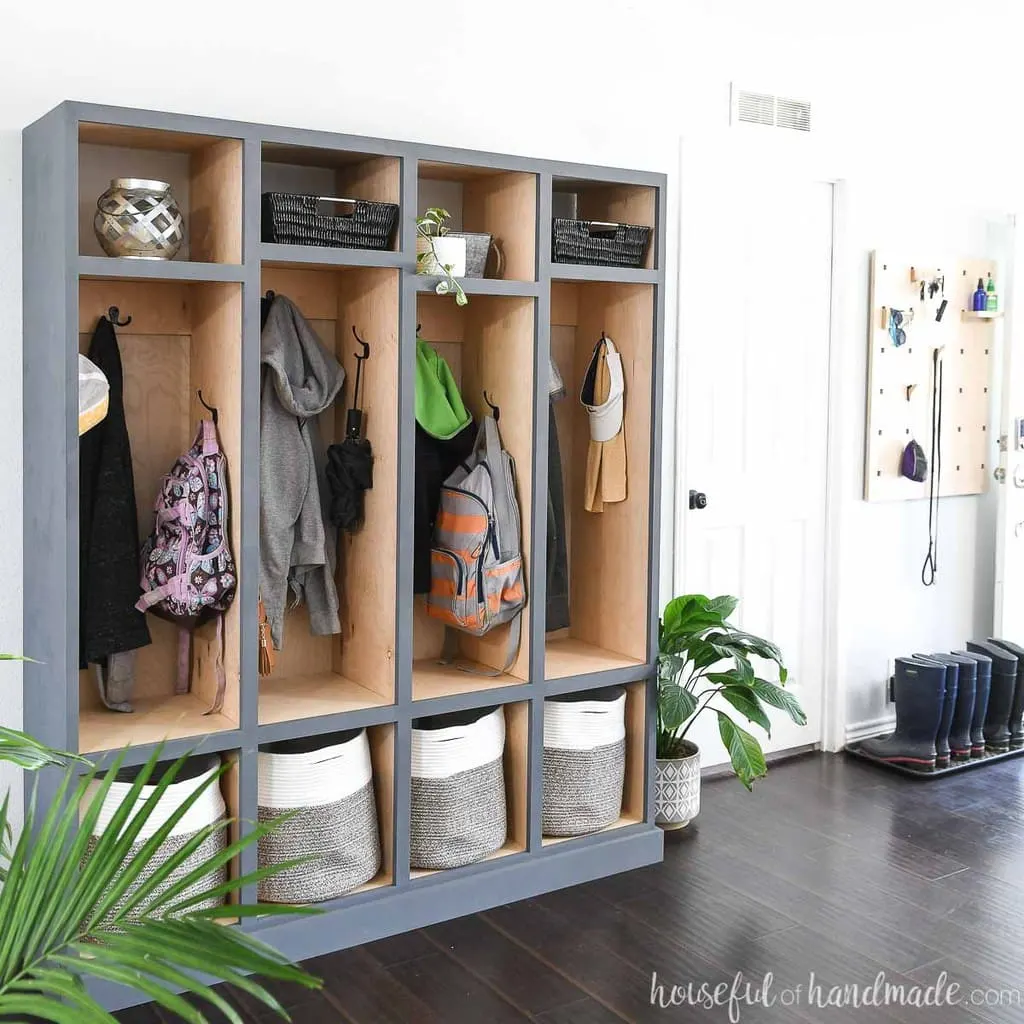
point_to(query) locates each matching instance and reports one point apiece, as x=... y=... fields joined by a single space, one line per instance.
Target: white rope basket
x=584 y=761
x=209 y=809
x=327 y=781
x=458 y=788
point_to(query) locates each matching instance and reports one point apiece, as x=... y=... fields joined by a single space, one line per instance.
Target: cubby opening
x=204 y=172
x=516 y=761
x=609 y=551
x=183 y=337
x=335 y=174
x=489 y=346
x=381 y=740
x=323 y=675
x=633 y=786
x=500 y=203
x=582 y=199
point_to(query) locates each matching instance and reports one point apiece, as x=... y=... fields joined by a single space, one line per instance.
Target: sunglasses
x=898 y=321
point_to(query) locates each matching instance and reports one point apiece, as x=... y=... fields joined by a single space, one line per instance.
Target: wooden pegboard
x=968 y=355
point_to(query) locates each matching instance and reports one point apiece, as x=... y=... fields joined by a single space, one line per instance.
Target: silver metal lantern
x=139 y=219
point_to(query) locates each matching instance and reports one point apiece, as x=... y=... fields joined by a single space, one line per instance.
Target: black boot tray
x=931 y=773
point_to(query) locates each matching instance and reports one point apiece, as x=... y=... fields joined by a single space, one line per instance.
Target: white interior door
x=754 y=422
x=1009 y=569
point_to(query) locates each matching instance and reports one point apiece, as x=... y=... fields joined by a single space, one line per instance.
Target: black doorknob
x=698 y=499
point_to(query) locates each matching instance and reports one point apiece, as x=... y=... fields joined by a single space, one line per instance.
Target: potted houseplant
x=438 y=252
x=705 y=662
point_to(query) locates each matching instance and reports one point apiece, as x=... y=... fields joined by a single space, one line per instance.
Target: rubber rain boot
x=982 y=685
x=1017 y=708
x=944 y=745
x=1000 y=695
x=920 y=690
x=960 y=743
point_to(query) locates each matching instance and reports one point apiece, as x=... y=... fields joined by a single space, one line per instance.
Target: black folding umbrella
x=350 y=464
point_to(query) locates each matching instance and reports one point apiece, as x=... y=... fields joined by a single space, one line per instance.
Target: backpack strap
x=184 y=681
x=450 y=650
x=218 y=699
x=489 y=444
x=207 y=434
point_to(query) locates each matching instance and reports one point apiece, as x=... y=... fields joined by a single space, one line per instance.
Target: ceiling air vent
x=773 y=111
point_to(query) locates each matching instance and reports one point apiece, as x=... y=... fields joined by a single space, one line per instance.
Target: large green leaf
x=744 y=751
x=676 y=706
x=779 y=698
x=692 y=614
x=66 y=917
x=743 y=700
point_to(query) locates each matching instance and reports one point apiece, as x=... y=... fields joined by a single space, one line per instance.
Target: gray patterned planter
x=677 y=788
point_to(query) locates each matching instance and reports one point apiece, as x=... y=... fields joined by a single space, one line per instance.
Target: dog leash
x=930 y=567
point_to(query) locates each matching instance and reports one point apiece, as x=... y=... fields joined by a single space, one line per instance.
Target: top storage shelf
x=601 y=223
x=330 y=198
x=187 y=188
x=486 y=201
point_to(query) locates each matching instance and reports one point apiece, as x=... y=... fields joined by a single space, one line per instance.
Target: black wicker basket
x=598 y=242
x=297 y=220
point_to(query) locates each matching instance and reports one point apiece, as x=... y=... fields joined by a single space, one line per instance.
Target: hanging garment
x=444 y=437
x=109 y=624
x=301 y=379
x=557 y=599
x=602 y=394
x=93 y=395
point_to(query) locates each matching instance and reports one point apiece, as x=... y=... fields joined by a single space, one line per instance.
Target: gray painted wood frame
x=52 y=268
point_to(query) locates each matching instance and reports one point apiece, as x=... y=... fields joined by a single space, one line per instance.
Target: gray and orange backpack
x=476 y=563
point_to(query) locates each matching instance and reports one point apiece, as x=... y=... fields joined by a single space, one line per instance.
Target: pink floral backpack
x=188 y=574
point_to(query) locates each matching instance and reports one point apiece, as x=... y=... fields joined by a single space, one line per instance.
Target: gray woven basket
x=584 y=761
x=458 y=816
x=324 y=782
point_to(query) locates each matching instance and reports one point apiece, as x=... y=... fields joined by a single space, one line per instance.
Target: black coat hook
x=495 y=410
x=114 y=316
x=209 y=408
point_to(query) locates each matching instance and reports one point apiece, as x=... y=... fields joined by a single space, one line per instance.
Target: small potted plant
x=703 y=658
x=439 y=253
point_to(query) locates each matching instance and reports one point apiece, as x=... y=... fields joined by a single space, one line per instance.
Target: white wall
x=884 y=610
x=886 y=76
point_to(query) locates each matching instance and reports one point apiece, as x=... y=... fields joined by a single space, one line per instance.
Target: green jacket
x=439 y=408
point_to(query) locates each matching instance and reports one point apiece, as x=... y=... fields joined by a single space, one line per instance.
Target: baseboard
x=872 y=727
x=717 y=771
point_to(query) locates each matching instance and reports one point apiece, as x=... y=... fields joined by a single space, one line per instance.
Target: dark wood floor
x=831 y=866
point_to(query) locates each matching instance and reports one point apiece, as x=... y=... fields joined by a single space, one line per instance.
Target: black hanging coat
x=108 y=522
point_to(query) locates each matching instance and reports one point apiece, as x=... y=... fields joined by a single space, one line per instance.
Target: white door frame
x=833 y=717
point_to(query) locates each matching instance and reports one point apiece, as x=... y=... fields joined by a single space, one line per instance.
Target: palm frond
x=27 y=752
x=123 y=909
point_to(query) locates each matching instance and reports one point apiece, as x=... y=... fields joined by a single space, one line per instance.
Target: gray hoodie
x=301 y=379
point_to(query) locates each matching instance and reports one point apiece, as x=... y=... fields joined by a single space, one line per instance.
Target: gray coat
x=301 y=379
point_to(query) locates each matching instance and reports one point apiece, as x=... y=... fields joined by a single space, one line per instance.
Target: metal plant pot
x=139 y=219
x=677 y=788
x=446 y=250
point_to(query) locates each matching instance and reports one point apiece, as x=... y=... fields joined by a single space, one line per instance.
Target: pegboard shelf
x=969 y=315
x=903 y=376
